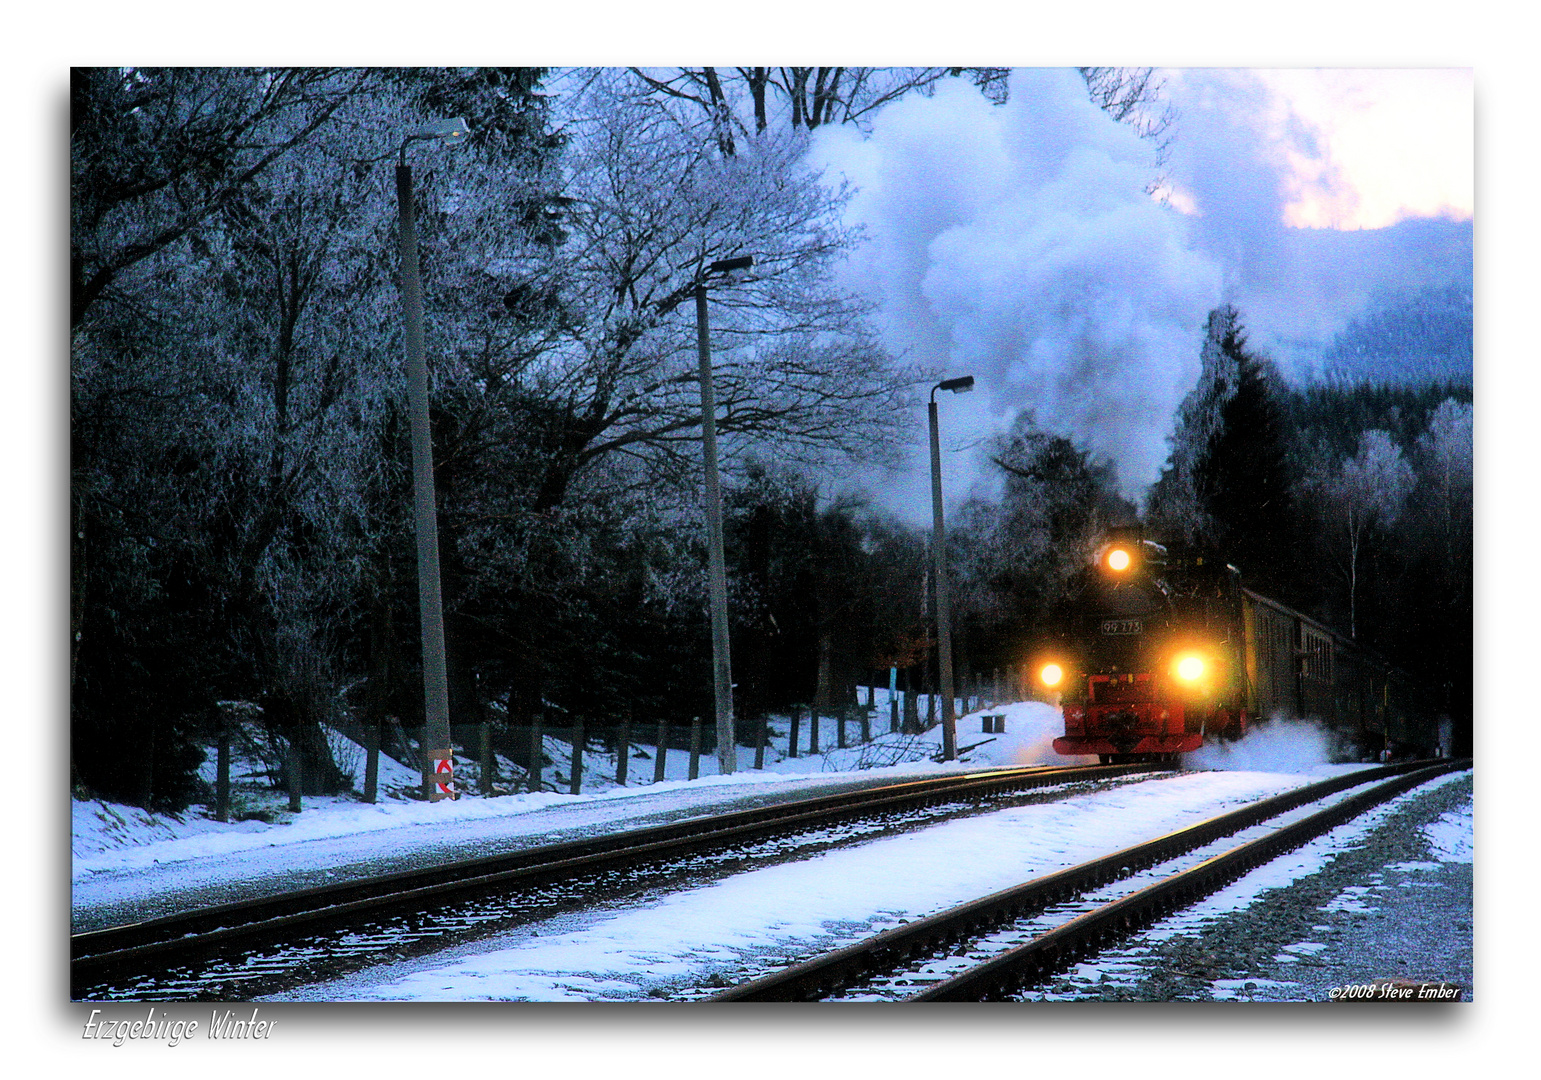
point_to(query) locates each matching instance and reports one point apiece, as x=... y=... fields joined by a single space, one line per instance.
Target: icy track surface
x=718 y=934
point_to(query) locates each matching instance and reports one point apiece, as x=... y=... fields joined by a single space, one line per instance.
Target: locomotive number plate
x=1122 y=626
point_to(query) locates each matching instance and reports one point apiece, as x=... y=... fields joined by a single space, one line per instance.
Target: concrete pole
x=222 y=777
x=943 y=604
x=722 y=668
x=438 y=758
x=662 y=759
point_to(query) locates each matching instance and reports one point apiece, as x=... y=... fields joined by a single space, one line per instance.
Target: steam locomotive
x=1161 y=647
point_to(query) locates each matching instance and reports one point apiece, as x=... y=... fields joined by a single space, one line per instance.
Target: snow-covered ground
x=124 y=857
x=108 y=837
x=715 y=933
x=128 y=864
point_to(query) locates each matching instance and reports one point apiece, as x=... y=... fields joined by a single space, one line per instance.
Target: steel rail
x=180 y=937
x=1006 y=974
x=824 y=975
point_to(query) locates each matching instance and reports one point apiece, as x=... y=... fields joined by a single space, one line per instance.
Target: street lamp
x=722 y=667
x=939 y=546
x=438 y=755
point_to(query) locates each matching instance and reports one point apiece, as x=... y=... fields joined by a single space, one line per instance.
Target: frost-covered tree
x=1445 y=450
x=155 y=152
x=1177 y=505
x=1438 y=526
x=235 y=384
x=1358 y=499
x=614 y=380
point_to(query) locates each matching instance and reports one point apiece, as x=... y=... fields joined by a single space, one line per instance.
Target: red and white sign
x=444 y=771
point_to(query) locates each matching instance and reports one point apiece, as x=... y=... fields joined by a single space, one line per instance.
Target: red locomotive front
x=1147 y=659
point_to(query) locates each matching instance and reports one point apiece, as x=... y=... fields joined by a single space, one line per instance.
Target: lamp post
x=722 y=667
x=939 y=552
x=438 y=755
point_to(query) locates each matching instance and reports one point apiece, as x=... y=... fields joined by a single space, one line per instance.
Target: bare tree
x=744 y=102
x=1133 y=96
x=747 y=101
x=1446 y=450
x=1363 y=495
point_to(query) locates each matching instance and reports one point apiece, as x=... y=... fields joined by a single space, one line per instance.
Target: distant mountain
x=1415 y=336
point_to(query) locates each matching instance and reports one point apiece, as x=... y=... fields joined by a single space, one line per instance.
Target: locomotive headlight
x=1051 y=674
x=1118 y=559
x=1190 y=668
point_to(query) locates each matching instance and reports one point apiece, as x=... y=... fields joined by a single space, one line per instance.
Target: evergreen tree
x=1228 y=483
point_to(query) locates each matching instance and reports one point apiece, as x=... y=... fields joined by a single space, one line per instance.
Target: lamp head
x=727 y=266
x=959 y=385
x=453 y=130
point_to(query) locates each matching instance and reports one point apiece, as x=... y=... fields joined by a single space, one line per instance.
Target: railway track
x=887 y=966
x=253 y=947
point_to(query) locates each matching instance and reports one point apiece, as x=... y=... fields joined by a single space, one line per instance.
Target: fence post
x=797 y=715
x=296 y=780
x=577 y=769
x=840 y=727
x=663 y=751
x=372 y=760
x=995 y=702
x=222 y=783
x=695 y=747
x=759 y=742
x=866 y=723
x=813 y=729
x=489 y=760
x=625 y=752
x=537 y=753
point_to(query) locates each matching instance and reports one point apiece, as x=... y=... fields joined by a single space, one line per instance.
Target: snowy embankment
x=109 y=836
x=122 y=852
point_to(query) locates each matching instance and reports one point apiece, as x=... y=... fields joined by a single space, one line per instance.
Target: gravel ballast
x=1386 y=898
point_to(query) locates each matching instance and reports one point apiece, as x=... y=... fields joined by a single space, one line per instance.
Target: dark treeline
x=241 y=538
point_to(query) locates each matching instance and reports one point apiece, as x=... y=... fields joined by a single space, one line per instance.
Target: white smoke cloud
x=1018 y=244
